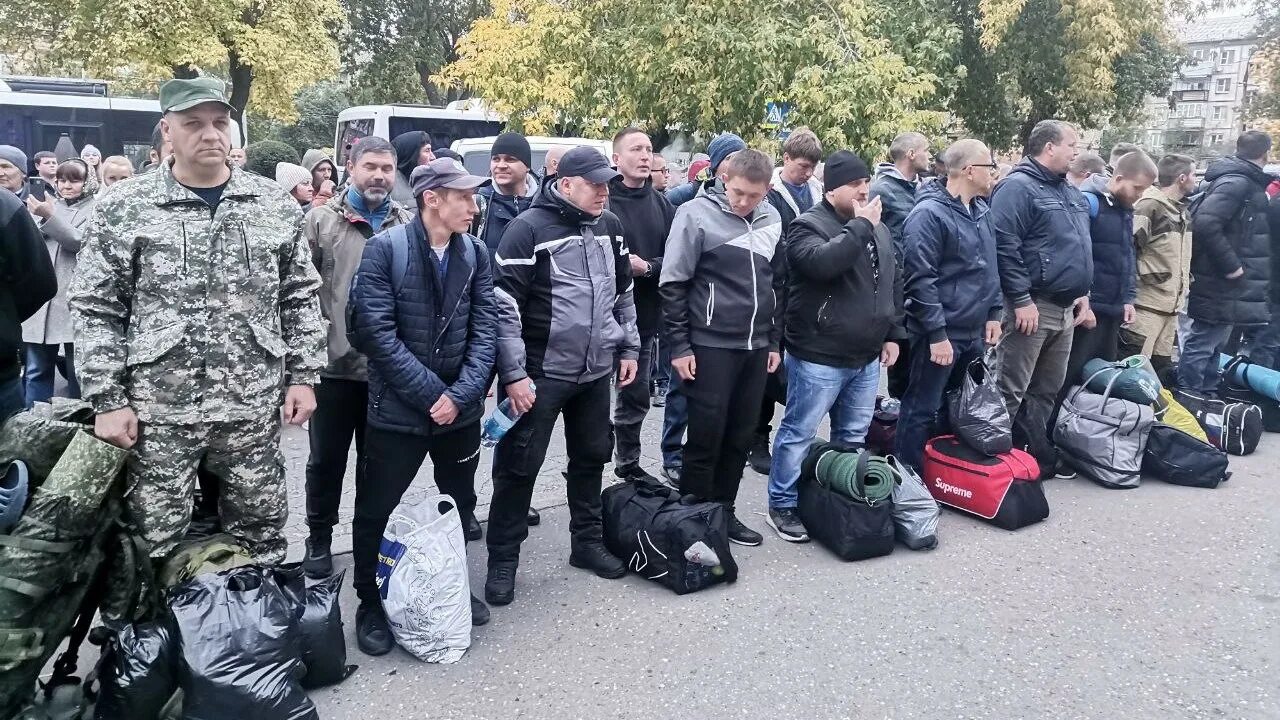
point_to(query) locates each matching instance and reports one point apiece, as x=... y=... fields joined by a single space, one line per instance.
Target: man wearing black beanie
x=511 y=192
x=844 y=303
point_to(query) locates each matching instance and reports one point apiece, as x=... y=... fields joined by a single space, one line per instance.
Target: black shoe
x=373 y=633
x=471 y=529
x=500 y=585
x=318 y=562
x=632 y=472
x=759 y=458
x=786 y=522
x=742 y=534
x=534 y=517
x=479 y=612
x=1063 y=471
x=594 y=556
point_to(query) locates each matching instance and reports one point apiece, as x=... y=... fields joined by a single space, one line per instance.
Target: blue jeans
x=10 y=398
x=675 y=419
x=813 y=390
x=41 y=363
x=1198 y=366
x=926 y=388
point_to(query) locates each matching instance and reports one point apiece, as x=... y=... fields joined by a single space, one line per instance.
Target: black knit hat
x=843 y=167
x=515 y=145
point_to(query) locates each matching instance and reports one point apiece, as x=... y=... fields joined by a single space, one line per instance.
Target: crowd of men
x=203 y=300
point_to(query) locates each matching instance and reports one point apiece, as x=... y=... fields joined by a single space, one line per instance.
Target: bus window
x=352 y=131
x=444 y=130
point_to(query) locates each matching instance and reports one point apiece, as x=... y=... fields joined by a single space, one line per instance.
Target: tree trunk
x=241 y=83
x=185 y=72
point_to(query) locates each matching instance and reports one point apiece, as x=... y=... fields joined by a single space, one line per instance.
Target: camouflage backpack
x=69 y=556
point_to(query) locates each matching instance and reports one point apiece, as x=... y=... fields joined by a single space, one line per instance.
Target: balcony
x=1190 y=95
x=1196 y=71
x=1186 y=123
x=1183 y=139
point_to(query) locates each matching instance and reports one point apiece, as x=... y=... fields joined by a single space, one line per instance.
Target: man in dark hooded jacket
x=27 y=281
x=646 y=221
x=413 y=148
x=1230 y=259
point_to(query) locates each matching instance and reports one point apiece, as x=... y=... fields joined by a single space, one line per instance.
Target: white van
x=475 y=152
x=446 y=125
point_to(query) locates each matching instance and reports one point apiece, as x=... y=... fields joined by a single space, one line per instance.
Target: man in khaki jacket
x=337 y=232
x=1162 y=234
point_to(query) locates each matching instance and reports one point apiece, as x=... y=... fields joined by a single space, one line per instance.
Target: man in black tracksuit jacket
x=718 y=310
x=27 y=282
x=844 y=305
x=646 y=220
x=1230 y=260
x=566 y=319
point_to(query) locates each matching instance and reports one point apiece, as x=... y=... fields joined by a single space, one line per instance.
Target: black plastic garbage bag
x=324 y=646
x=241 y=648
x=978 y=415
x=138 y=672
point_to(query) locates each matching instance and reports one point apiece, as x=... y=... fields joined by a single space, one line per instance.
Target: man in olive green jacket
x=1162 y=234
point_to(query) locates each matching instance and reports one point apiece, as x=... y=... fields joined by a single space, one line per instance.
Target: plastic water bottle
x=500 y=421
x=891 y=406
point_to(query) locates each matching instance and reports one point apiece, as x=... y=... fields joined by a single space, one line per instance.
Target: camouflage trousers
x=246 y=458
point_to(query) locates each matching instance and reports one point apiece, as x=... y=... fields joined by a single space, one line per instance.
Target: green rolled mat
x=839 y=472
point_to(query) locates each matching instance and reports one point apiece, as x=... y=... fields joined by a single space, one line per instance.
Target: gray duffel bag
x=1104 y=437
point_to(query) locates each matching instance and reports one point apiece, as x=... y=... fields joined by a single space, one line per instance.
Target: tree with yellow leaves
x=267 y=49
x=594 y=65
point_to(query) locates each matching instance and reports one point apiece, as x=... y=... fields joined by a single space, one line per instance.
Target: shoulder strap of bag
x=398 y=236
x=1093 y=205
x=1107 y=394
x=860 y=474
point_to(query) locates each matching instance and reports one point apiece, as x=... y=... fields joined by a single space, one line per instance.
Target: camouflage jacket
x=189 y=318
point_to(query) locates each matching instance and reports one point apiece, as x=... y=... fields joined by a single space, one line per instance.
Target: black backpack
x=1176 y=457
x=677 y=542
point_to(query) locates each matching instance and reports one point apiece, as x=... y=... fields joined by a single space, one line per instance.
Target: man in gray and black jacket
x=566 y=318
x=718 y=306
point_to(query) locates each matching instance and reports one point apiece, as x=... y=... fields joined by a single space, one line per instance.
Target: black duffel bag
x=674 y=541
x=1176 y=457
x=852 y=529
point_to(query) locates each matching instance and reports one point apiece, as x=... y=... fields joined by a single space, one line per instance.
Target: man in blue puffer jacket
x=1041 y=224
x=1115 y=271
x=425 y=317
x=952 y=290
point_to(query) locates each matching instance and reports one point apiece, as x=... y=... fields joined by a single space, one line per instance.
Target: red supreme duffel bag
x=1004 y=489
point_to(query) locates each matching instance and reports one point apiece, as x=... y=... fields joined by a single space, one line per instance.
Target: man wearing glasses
x=659 y=173
x=953 y=287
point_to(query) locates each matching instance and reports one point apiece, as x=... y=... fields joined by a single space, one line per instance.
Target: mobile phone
x=36 y=187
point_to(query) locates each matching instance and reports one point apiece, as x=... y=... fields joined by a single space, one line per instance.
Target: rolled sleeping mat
x=1262 y=380
x=1137 y=381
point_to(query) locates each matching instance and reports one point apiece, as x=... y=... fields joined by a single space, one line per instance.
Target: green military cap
x=178 y=95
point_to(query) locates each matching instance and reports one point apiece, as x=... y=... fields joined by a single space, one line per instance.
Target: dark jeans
x=1264 y=341
x=659 y=367
x=900 y=372
x=724 y=407
x=391 y=462
x=926 y=389
x=675 y=416
x=341 y=410
x=41 y=362
x=10 y=398
x=518 y=459
x=775 y=391
x=1198 y=369
x=633 y=405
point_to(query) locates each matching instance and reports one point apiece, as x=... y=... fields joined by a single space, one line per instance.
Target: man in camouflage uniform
x=194 y=308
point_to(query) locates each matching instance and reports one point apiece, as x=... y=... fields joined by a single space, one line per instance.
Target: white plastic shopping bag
x=422 y=578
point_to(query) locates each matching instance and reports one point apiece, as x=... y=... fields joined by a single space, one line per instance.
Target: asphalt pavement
x=1160 y=602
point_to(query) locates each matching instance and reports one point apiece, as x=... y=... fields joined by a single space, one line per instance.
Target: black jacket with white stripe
x=564 y=291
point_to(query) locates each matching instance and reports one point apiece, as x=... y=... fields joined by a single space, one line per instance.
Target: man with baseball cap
x=566 y=319
x=195 y=320
x=423 y=314
x=844 y=304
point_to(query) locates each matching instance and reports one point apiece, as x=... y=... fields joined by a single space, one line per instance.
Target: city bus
x=387 y=121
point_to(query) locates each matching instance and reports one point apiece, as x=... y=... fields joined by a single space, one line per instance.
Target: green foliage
x=395 y=46
x=261 y=157
x=1266 y=71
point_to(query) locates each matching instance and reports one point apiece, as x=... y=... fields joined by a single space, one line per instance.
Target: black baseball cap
x=587 y=163
x=443 y=172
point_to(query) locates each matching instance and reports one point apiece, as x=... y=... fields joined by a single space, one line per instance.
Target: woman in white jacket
x=62 y=220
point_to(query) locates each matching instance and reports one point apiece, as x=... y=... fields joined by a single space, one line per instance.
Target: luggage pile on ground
x=846 y=500
x=228 y=638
